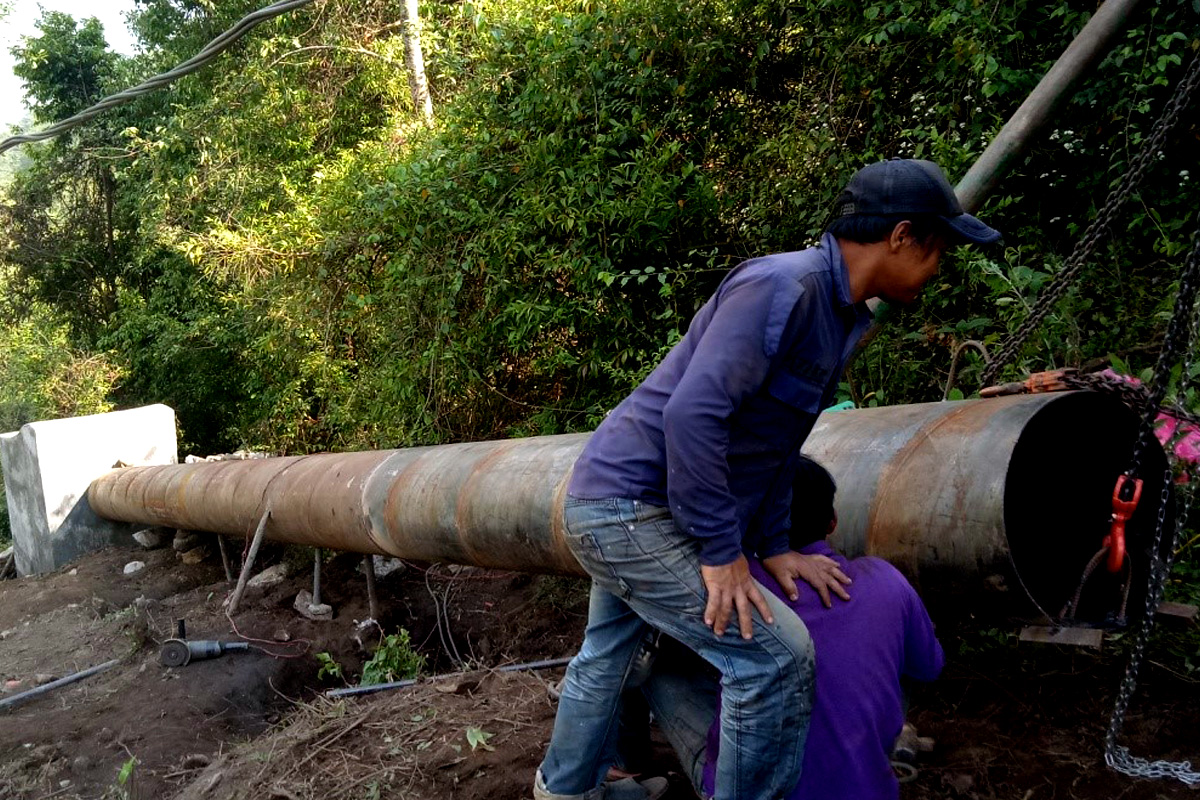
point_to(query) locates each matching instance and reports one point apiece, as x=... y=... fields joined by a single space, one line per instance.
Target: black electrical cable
x=201 y=59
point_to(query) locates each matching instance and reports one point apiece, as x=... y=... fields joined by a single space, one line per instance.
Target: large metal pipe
x=1011 y=497
x=1044 y=102
x=1007 y=492
x=493 y=504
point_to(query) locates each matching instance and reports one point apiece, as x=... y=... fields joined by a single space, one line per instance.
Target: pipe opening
x=1058 y=505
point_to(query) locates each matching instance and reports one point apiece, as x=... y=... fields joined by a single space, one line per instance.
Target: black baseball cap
x=910 y=186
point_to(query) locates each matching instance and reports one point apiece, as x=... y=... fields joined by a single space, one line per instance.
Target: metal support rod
x=1051 y=93
x=17 y=699
x=250 y=557
x=1043 y=102
x=372 y=596
x=316 y=592
x=357 y=691
x=225 y=559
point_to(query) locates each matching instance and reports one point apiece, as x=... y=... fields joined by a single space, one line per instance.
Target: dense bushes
x=42 y=376
x=305 y=266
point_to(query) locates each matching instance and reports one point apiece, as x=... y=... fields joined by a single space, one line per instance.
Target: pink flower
x=1186 y=437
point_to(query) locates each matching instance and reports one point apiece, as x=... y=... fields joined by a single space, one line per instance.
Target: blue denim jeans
x=681 y=694
x=645 y=574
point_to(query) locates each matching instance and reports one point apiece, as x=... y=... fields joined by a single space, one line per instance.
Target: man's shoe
x=540 y=792
x=633 y=789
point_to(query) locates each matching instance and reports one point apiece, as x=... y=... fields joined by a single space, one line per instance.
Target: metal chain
x=1118 y=756
x=1186 y=381
x=1177 y=346
x=1134 y=395
x=1181 y=333
x=1151 y=148
x=1067 y=615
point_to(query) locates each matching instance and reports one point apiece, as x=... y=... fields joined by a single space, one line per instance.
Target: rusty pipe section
x=1012 y=491
x=493 y=504
x=1013 y=497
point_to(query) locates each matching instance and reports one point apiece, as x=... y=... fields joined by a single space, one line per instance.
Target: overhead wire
x=196 y=62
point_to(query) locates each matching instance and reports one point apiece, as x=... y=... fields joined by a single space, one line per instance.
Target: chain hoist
x=1178 y=347
x=1099 y=228
x=1183 y=335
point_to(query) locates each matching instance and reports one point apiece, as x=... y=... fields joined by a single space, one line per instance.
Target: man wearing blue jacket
x=694 y=470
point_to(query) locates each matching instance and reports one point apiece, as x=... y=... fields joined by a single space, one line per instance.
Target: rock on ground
x=269 y=576
x=186 y=540
x=194 y=556
x=150 y=538
x=310 y=610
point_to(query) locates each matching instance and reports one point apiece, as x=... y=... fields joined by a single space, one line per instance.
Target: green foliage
x=66 y=67
x=478 y=737
x=42 y=376
x=184 y=345
x=296 y=263
x=329 y=667
x=1184 y=586
x=126 y=771
x=394 y=660
x=125 y=786
x=561 y=593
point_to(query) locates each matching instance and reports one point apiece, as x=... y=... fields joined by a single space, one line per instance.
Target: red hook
x=1122 y=510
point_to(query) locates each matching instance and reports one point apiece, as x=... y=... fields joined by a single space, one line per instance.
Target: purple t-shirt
x=862 y=647
x=714 y=431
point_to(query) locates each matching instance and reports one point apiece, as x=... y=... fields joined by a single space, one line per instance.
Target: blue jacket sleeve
x=775 y=520
x=730 y=363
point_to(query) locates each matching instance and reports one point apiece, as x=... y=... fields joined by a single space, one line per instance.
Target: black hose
x=17 y=699
x=354 y=691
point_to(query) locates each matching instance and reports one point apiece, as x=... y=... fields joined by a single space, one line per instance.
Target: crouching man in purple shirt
x=864 y=649
x=693 y=471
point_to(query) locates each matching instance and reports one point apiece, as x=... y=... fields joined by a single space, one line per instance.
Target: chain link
x=1179 y=345
x=1186 y=381
x=1079 y=257
x=1183 y=334
x=1117 y=756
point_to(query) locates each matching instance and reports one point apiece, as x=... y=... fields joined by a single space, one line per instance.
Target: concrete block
x=48 y=467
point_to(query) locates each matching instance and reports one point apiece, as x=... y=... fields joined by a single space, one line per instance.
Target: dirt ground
x=1010 y=720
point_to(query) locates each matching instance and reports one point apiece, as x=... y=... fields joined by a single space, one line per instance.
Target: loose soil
x=1010 y=720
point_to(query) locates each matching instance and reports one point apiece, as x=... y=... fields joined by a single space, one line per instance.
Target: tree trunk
x=414 y=59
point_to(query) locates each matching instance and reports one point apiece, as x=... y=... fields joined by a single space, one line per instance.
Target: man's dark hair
x=812 y=503
x=871 y=228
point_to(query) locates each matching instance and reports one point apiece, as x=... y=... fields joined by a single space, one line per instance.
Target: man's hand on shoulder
x=732 y=588
x=820 y=572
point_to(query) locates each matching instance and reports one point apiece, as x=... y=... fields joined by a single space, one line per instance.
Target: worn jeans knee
x=644 y=571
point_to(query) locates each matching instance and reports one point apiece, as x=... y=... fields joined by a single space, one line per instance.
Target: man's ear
x=901 y=234
x=832 y=525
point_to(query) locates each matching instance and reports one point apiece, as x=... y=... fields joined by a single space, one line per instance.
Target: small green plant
x=329 y=667
x=478 y=737
x=124 y=789
x=395 y=659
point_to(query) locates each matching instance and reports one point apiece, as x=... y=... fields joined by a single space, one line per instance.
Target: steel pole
x=1055 y=88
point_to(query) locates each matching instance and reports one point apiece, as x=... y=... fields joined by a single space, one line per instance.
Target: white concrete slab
x=49 y=465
